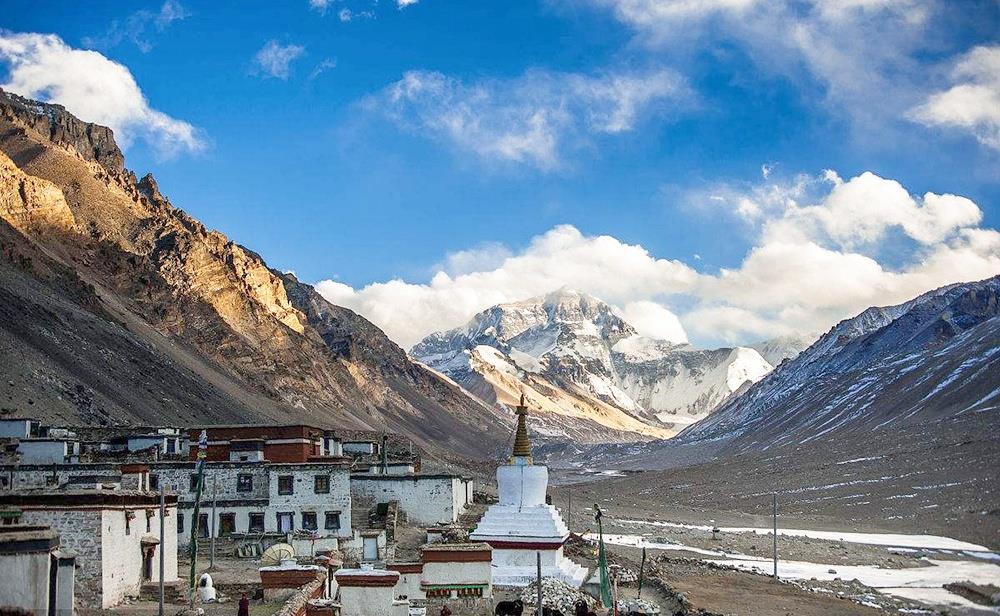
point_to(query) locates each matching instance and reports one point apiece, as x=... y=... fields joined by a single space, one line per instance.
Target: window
x=332 y=520
x=286 y=522
x=244 y=483
x=308 y=520
x=322 y=485
x=203 y=527
x=149 y=520
x=286 y=484
x=51 y=480
x=154 y=482
x=256 y=523
x=227 y=524
x=171 y=445
x=180 y=522
x=128 y=522
x=194 y=482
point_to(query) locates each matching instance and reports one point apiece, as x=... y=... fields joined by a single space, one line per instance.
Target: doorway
x=147 y=564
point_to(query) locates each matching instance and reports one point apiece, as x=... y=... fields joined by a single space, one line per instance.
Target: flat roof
x=69 y=499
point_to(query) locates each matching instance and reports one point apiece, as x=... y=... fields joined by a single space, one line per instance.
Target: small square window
x=322 y=484
x=244 y=483
x=332 y=520
x=256 y=522
x=286 y=484
x=308 y=520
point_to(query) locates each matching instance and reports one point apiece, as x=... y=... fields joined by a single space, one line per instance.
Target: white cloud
x=274 y=59
x=814 y=262
x=533 y=119
x=972 y=104
x=320 y=5
x=325 y=65
x=135 y=26
x=653 y=320
x=405 y=3
x=858 y=57
x=93 y=88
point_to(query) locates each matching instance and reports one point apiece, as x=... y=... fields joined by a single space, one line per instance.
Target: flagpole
x=602 y=560
x=200 y=473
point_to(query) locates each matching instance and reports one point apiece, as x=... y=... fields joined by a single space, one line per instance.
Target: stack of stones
x=636 y=606
x=556 y=595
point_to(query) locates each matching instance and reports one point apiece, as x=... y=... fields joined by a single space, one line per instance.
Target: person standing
x=244 y=606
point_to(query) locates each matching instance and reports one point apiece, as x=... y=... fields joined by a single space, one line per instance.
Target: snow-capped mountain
x=777 y=350
x=581 y=361
x=910 y=365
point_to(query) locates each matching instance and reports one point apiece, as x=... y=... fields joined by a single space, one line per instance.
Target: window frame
x=251 y=527
x=325 y=479
x=331 y=515
x=240 y=478
x=290 y=479
x=314 y=524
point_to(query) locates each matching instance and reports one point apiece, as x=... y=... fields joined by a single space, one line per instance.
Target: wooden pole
x=211 y=562
x=774 y=503
x=163 y=545
x=538 y=603
x=569 y=514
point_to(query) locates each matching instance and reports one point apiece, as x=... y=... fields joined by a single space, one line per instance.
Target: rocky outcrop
x=92 y=141
x=30 y=203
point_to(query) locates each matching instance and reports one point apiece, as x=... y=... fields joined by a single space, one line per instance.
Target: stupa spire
x=522 y=445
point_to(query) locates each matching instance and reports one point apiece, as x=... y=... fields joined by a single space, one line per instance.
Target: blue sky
x=377 y=147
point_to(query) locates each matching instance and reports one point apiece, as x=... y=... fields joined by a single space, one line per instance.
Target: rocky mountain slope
x=109 y=291
x=895 y=367
x=586 y=369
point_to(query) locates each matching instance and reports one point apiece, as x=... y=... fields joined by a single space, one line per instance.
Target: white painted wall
x=426 y=499
x=24 y=582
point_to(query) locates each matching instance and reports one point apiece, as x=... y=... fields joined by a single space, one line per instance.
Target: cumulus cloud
x=654 y=321
x=275 y=59
x=405 y=3
x=814 y=262
x=136 y=27
x=93 y=88
x=972 y=104
x=532 y=119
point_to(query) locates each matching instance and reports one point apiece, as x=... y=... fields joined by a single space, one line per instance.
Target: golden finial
x=522 y=446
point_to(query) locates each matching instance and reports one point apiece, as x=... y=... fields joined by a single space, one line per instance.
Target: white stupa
x=521 y=525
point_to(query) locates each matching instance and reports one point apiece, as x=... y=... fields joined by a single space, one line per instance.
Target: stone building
x=36 y=576
x=256 y=498
x=114 y=534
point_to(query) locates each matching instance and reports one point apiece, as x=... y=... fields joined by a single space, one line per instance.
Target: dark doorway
x=147 y=564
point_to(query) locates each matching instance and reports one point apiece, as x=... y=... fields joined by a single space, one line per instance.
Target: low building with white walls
x=369 y=592
x=36 y=576
x=48 y=450
x=521 y=526
x=113 y=533
x=19 y=427
x=425 y=499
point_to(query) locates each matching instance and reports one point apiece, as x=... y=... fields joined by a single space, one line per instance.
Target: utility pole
x=642 y=567
x=211 y=562
x=774 y=502
x=163 y=509
x=538 y=602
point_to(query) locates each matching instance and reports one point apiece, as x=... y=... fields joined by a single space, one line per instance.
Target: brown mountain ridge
x=116 y=307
